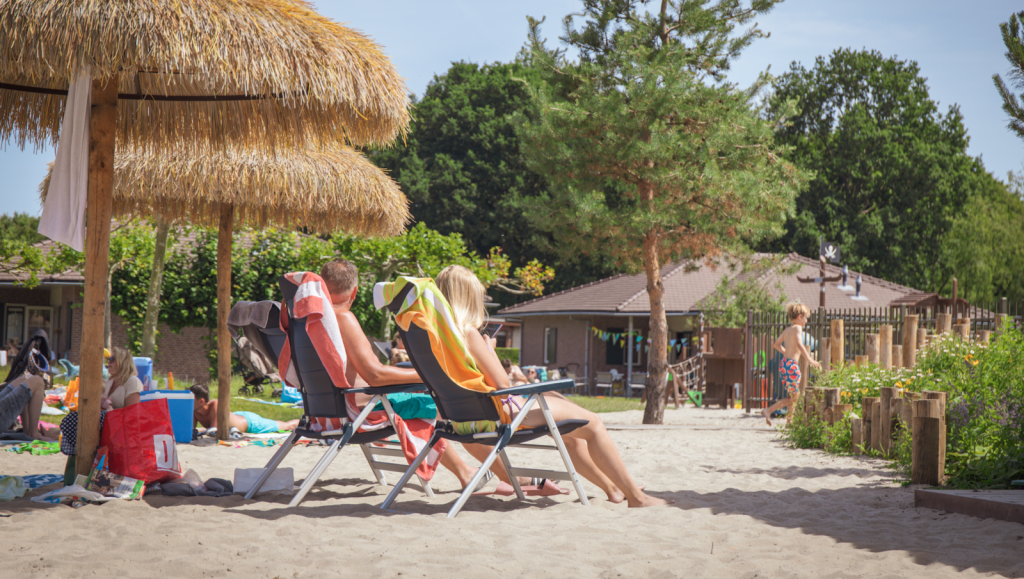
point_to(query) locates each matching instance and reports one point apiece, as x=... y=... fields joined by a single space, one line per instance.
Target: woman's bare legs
x=585 y=467
x=599 y=446
x=30 y=414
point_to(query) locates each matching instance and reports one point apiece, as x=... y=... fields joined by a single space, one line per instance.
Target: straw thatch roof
x=334 y=189
x=280 y=72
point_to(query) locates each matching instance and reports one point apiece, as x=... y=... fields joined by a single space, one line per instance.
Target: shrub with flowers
x=984 y=410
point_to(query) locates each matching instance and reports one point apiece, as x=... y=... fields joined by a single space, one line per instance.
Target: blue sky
x=956 y=44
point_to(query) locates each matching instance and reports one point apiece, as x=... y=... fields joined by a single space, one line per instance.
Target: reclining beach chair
x=326 y=414
x=418 y=301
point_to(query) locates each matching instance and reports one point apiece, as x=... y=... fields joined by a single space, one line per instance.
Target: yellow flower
x=974 y=362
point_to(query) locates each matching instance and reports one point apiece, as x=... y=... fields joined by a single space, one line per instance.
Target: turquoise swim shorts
x=409 y=405
x=258 y=424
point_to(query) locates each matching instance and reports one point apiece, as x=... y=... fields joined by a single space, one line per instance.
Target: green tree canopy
x=891 y=171
x=651 y=157
x=20 y=227
x=463 y=171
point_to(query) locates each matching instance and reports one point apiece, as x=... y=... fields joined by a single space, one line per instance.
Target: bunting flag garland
x=620 y=338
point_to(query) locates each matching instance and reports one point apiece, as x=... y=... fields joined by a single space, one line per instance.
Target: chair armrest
x=528 y=389
x=395 y=389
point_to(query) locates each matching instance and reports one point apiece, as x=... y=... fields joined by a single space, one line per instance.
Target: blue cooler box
x=145 y=368
x=180 y=403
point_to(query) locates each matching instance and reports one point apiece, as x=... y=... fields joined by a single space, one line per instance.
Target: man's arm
x=365 y=362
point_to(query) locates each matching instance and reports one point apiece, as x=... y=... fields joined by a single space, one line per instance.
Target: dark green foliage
x=464 y=173
x=20 y=227
x=891 y=171
x=1013 y=39
x=510 y=353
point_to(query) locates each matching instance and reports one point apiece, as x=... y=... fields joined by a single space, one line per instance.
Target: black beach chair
x=458 y=404
x=322 y=399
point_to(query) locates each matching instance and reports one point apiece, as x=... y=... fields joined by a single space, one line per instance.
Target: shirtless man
x=364 y=368
x=205 y=413
x=789 y=366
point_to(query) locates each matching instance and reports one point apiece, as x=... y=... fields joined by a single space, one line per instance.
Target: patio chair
x=458 y=404
x=324 y=403
x=605 y=380
x=638 y=381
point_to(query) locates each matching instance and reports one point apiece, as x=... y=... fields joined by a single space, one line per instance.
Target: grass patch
x=607 y=404
x=281 y=413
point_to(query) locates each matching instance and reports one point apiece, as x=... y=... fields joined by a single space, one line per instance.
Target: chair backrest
x=638 y=378
x=453 y=401
x=320 y=397
x=604 y=377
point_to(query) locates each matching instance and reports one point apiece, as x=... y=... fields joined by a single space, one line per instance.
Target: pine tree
x=653 y=157
x=1014 y=42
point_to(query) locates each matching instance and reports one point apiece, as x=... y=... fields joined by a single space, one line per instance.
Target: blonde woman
x=593 y=453
x=124 y=386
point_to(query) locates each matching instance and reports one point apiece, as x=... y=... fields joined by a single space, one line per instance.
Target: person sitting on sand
x=593 y=453
x=205 y=413
x=789 y=366
x=124 y=387
x=515 y=373
x=24 y=396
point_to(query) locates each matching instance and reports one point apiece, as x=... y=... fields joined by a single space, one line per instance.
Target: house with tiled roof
x=583 y=328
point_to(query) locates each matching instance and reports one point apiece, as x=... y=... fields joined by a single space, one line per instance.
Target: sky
x=957 y=45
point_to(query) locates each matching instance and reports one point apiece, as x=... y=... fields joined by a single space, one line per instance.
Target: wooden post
x=909 y=340
x=871 y=348
x=810 y=401
x=805 y=372
x=927 y=464
x=99 y=204
x=943 y=323
x=922 y=338
x=869 y=404
x=856 y=435
x=984 y=336
x=838 y=343
x=885 y=347
x=907 y=412
x=963 y=330
x=227 y=228
x=896 y=413
x=897 y=356
x=826 y=354
x=885 y=396
x=941 y=397
x=829 y=401
x=842 y=410
x=876 y=425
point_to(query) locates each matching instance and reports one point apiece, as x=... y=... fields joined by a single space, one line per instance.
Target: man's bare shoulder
x=349 y=325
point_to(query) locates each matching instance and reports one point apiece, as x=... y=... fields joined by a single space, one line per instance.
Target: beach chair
x=458 y=404
x=324 y=403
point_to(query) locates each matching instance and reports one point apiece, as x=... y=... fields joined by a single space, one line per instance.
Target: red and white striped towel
x=313 y=302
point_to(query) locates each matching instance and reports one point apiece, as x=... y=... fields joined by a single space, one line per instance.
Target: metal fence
x=762 y=384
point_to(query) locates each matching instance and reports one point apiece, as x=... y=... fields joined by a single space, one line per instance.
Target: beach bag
x=140 y=442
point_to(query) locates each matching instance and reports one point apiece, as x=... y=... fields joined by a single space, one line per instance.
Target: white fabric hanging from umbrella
x=63 y=217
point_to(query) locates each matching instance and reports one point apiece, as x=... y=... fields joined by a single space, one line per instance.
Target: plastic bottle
x=170 y=380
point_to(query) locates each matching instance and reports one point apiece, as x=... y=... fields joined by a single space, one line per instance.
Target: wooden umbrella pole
x=227 y=227
x=99 y=203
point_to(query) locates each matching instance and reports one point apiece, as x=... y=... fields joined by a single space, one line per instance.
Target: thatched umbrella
x=257 y=74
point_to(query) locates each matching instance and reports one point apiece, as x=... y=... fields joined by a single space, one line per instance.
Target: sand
x=746 y=506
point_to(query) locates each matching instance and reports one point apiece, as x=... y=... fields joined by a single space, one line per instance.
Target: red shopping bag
x=140 y=442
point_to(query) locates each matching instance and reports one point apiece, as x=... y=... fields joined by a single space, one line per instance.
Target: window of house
x=614 y=354
x=550 y=345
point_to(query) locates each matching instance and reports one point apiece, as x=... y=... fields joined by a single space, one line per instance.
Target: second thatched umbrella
x=330 y=190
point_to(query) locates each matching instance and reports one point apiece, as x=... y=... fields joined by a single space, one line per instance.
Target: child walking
x=790 y=342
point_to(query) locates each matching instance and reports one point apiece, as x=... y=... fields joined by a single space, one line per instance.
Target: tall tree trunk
x=657 y=360
x=149 y=322
x=224 y=240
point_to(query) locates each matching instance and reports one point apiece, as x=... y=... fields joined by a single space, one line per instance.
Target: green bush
x=510 y=353
x=984 y=408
